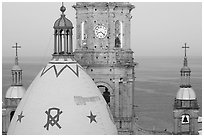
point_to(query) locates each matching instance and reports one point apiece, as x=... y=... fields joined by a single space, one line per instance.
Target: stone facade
x=103 y=49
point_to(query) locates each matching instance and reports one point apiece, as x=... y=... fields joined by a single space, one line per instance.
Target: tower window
x=105 y=92
x=118 y=32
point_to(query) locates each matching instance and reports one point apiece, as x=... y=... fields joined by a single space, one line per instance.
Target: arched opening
x=185 y=123
x=118 y=34
x=106 y=93
x=11 y=115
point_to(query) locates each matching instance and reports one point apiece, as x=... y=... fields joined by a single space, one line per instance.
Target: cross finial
x=185 y=49
x=16 y=47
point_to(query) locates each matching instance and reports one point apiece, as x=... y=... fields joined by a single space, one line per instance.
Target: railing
x=186 y=104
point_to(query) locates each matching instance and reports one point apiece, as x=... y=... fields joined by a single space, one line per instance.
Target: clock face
x=100 y=31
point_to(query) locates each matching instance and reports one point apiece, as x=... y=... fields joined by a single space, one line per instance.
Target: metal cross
x=16 y=46
x=185 y=49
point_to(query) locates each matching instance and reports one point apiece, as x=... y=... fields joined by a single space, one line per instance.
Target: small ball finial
x=62 y=9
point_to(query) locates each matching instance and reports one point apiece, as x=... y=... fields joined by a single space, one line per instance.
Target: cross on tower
x=16 y=46
x=185 y=49
x=16 y=58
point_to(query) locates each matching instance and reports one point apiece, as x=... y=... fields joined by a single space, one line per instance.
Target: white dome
x=62 y=100
x=15 y=92
x=186 y=94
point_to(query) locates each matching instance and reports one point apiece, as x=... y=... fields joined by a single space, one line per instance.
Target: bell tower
x=103 y=49
x=185 y=105
x=14 y=93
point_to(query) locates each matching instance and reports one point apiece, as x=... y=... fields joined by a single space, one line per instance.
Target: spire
x=16 y=58
x=185 y=72
x=185 y=57
x=16 y=70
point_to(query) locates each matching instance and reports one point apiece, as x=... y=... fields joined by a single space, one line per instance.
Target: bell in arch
x=185 y=119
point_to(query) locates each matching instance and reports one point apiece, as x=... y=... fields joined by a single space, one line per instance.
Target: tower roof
x=186 y=94
x=63 y=22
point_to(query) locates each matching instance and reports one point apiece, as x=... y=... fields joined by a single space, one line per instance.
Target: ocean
x=157 y=82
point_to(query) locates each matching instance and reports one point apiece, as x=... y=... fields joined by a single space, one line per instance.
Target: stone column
x=70 y=41
x=58 y=35
x=60 y=39
x=65 y=41
x=55 y=41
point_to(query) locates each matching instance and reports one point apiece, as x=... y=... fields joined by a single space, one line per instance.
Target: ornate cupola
x=62 y=36
x=185 y=105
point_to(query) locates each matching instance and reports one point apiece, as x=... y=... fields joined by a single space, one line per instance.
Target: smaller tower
x=13 y=95
x=62 y=36
x=185 y=105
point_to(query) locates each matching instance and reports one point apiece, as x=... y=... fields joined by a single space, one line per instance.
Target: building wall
x=109 y=65
x=191 y=127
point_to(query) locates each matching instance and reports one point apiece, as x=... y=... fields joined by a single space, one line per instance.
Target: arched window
x=118 y=34
x=16 y=77
x=83 y=34
x=105 y=93
x=82 y=31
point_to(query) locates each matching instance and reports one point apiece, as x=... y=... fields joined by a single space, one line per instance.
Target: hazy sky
x=157 y=29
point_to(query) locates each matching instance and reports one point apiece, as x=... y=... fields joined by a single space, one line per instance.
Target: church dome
x=186 y=94
x=63 y=22
x=15 y=92
x=63 y=100
x=16 y=67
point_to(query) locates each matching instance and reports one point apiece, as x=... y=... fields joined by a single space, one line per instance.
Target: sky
x=157 y=29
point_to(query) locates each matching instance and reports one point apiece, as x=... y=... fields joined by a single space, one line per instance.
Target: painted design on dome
x=53 y=119
x=79 y=100
x=92 y=117
x=57 y=73
x=20 y=117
